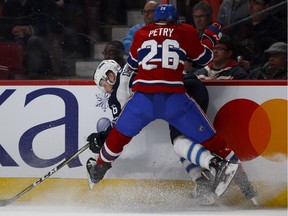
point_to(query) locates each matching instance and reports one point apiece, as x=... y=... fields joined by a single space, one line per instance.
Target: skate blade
x=90 y=183
x=229 y=175
x=205 y=174
x=254 y=201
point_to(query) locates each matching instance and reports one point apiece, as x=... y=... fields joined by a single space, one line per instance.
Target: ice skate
x=89 y=164
x=223 y=172
x=95 y=171
x=247 y=189
x=202 y=193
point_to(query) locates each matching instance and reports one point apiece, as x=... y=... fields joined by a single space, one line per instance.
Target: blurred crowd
x=254 y=41
x=52 y=34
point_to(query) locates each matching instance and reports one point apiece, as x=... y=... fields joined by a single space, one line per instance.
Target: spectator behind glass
x=148 y=18
x=258 y=33
x=223 y=65
x=202 y=15
x=276 y=67
x=31 y=24
x=184 y=8
x=231 y=11
x=115 y=50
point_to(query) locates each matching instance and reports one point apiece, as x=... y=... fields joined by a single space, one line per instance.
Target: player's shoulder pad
x=127 y=71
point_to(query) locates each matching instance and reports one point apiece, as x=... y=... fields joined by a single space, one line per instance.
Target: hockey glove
x=96 y=141
x=213 y=32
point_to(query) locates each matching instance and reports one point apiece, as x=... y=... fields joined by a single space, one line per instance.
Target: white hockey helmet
x=103 y=68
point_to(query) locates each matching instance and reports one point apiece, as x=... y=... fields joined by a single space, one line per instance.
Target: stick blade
x=5 y=202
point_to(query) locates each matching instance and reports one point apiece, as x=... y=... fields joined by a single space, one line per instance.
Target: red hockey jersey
x=158 y=53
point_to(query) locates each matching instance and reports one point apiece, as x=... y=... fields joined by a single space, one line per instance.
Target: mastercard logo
x=254 y=130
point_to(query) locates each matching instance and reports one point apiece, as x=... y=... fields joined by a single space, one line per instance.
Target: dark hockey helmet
x=165 y=12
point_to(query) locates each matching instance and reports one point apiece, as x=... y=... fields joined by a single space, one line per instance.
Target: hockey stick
x=6 y=202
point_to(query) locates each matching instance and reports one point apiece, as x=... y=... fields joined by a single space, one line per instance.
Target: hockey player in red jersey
x=158 y=54
x=118 y=85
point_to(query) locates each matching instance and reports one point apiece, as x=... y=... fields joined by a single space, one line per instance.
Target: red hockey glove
x=213 y=32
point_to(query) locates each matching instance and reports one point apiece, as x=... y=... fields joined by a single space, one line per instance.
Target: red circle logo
x=253 y=130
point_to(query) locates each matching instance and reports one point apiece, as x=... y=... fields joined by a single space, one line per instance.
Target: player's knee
x=181 y=145
x=116 y=141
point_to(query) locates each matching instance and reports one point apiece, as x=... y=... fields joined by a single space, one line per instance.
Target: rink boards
x=44 y=122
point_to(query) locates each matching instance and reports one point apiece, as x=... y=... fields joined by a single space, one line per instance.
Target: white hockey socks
x=194 y=152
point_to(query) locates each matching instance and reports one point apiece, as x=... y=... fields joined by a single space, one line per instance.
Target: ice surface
x=140 y=199
x=36 y=210
x=129 y=197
